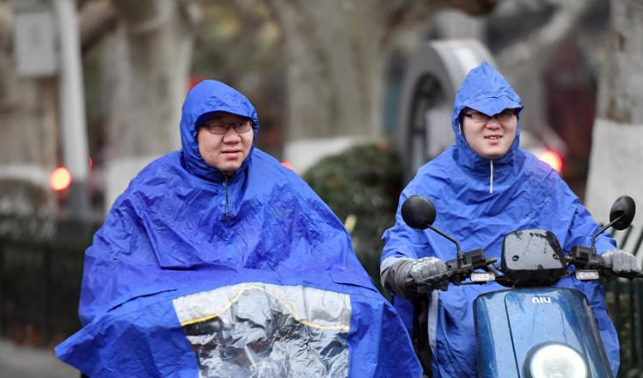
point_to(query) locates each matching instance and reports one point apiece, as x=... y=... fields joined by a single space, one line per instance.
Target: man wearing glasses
x=218 y=261
x=483 y=187
x=225 y=141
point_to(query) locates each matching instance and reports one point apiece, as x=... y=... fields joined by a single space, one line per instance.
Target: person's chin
x=229 y=167
x=493 y=154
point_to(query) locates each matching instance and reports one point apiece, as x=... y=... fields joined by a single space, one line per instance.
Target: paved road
x=21 y=362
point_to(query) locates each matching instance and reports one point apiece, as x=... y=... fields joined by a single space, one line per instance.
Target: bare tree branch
x=143 y=13
x=144 y=16
x=96 y=20
x=411 y=13
x=6 y=31
x=539 y=47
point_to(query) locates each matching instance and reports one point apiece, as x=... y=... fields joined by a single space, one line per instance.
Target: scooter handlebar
x=586 y=258
x=628 y=275
x=458 y=271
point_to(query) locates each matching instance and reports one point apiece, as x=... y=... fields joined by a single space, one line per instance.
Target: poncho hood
x=484 y=89
x=207 y=97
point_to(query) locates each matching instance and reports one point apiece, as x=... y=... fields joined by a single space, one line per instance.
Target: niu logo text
x=540 y=300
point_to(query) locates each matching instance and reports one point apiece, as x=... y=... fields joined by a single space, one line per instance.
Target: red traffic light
x=60 y=179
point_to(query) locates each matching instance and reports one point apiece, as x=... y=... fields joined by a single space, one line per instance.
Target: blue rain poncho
x=195 y=274
x=478 y=202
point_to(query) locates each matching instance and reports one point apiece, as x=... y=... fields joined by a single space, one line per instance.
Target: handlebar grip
x=436 y=279
x=630 y=275
x=431 y=280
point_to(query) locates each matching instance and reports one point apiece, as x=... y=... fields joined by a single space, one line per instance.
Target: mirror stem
x=605 y=228
x=460 y=255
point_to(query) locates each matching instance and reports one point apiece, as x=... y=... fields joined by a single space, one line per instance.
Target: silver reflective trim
x=268 y=331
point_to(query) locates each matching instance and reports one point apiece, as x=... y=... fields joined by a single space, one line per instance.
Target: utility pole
x=72 y=107
x=47 y=45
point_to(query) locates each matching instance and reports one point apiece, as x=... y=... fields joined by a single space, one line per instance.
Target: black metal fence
x=625 y=300
x=41 y=264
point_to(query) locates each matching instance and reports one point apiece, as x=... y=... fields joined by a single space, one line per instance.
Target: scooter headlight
x=557 y=361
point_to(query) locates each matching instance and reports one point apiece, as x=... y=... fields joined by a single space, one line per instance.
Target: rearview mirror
x=622 y=212
x=418 y=212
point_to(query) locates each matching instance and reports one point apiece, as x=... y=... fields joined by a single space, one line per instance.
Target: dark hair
x=461 y=115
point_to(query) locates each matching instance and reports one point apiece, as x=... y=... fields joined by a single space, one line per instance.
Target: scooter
x=531 y=329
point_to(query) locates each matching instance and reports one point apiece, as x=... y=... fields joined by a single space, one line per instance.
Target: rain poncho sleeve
x=199 y=274
x=478 y=202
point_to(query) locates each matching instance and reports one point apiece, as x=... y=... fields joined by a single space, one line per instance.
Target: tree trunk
x=335 y=52
x=617 y=145
x=332 y=54
x=147 y=71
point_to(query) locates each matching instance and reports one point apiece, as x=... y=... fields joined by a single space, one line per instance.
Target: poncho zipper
x=226 y=206
x=491 y=177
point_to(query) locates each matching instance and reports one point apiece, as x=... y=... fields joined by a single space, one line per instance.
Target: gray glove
x=421 y=269
x=620 y=261
x=402 y=277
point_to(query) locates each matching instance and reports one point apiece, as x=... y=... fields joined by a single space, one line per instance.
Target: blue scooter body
x=512 y=324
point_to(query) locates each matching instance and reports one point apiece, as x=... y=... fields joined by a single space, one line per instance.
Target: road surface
x=25 y=362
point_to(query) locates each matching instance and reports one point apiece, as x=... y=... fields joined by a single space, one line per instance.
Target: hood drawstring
x=491 y=177
x=226 y=209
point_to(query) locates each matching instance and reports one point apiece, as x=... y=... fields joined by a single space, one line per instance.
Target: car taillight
x=60 y=179
x=552 y=158
x=287 y=165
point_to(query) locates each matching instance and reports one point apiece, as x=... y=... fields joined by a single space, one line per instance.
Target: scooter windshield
x=261 y=330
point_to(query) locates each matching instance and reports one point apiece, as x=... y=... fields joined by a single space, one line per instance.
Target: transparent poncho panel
x=267 y=331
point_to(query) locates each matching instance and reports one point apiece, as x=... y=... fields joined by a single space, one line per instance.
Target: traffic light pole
x=72 y=108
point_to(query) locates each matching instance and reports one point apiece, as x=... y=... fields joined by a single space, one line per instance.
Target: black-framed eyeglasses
x=502 y=117
x=219 y=128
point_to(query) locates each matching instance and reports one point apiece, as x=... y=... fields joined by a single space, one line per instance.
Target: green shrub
x=362 y=186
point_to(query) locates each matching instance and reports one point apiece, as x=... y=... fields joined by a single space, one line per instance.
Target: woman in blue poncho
x=218 y=261
x=484 y=187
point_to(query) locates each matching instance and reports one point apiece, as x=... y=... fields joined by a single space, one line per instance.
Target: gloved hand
x=406 y=276
x=620 y=261
x=421 y=269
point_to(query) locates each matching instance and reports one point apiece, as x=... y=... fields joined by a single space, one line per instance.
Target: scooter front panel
x=528 y=319
x=495 y=347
